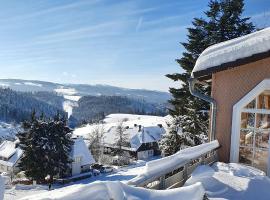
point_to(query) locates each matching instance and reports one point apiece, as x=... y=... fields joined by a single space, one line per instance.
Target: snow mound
x=119 y=191
x=231 y=181
x=234 y=49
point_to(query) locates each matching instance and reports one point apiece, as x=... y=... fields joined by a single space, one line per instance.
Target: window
x=254 y=132
x=77 y=159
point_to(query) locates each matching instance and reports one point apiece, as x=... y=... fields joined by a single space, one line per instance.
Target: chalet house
x=238 y=71
x=10 y=155
x=142 y=140
x=81 y=156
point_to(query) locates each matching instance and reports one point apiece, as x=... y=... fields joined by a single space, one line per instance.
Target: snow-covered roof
x=232 y=50
x=147 y=135
x=9 y=151
x=135 y=136
x=151 y=132
x=80 y=149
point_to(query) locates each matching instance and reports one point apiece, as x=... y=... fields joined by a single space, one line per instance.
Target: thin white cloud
x=54 y=9
x=112 y=28
x=139 y=24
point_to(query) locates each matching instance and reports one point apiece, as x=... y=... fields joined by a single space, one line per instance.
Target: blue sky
x=117 y=42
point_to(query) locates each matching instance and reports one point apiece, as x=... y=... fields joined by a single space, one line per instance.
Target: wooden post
x=185 y=172
x=162 y=183
x=203 y=159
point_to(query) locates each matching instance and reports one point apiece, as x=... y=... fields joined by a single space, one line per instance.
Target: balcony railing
x=173 y=171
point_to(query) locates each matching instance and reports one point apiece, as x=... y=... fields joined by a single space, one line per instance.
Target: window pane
x=247 y=120
x=261 y=159
x=245 y=155
x=262 y=138
x=246 y=138
x=263 y=121
x=264 y=100
x=252 y=104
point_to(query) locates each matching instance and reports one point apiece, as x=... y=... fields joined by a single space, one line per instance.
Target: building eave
x=207 y=73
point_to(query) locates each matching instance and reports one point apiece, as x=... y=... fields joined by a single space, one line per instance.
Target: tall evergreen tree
x=223 y=21
x=46 y=145
x=174 y=139
x=58 y=147
x=30 y=140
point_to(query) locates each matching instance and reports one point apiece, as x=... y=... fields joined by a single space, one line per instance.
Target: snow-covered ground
x=122 y=174
x=120 y=191
x=220 y=181
x=232 y=181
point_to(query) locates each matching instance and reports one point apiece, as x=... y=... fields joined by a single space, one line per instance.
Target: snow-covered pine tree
x=33 y=158
x=46 y=145
x=174 y=139
x=223 y=21
x=58 y=147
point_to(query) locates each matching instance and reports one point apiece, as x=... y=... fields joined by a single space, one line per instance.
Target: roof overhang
x=207 y=73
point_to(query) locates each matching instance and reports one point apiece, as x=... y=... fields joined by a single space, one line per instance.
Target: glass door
x=254 y=133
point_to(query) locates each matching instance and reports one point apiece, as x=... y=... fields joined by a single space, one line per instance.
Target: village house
x=81 y=156
x=142 y=140
x=10 y=155
x=238 y=71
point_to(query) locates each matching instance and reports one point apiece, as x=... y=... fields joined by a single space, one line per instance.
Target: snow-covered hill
x=72 y=93
x=75 y=91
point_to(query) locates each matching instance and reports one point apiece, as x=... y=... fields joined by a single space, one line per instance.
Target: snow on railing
x=173 y=170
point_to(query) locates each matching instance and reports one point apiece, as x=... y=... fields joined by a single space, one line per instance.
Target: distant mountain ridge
x=18 y=106
x=79 y=102
x=95 y=108
x=84 y=90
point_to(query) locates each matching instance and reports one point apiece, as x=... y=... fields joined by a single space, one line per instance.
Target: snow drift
x=231 y=181
x=119 y=191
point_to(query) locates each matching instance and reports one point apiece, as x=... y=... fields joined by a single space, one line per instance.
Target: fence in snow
x=173 y=171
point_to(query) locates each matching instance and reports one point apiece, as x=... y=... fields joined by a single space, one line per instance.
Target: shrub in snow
x=95 y=142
